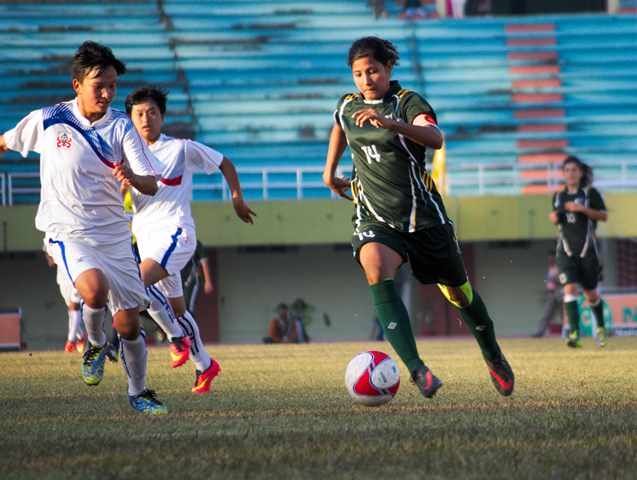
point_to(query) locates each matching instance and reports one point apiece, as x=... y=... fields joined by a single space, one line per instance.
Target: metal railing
x=294 y=182
x=490 y=178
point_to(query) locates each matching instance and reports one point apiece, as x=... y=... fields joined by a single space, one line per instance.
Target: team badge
x=64 y=141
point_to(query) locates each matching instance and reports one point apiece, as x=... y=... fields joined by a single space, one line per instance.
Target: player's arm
x=421 y=131
x=240 y=206
x=3 y=144
x=557 y=215
x=597 y=209
x=335 y=150
x=25 y=136
x=141 y=169
x=208 y=283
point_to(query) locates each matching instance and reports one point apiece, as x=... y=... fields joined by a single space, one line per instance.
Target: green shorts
x=433 y=253
x=585 y=271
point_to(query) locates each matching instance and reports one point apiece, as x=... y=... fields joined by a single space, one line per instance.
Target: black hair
x=587 y=171
x=92 y=55
x=143 y=94
x=380 y=50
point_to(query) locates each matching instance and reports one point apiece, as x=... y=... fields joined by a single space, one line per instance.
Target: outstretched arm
x=240 y=206
x=337 y=145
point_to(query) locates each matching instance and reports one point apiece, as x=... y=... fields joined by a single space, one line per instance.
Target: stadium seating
x=259 y=81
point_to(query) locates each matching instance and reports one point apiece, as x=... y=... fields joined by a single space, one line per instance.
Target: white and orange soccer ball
x=372 y=378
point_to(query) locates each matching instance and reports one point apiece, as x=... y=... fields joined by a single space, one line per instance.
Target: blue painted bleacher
x=259 y=81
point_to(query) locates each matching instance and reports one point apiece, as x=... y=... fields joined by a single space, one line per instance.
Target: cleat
x=573 y=340
x=93 y=364
x=70 y=346
x=204 y=379
x=502 y=375
x=601 y=337
x=146 y=402
x=179 y=351
x=427 y=382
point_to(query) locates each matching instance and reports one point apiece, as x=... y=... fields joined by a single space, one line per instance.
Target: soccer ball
x=372 y=378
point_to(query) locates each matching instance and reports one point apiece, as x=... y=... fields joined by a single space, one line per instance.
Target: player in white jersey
x=163 y=224
x=87 y=151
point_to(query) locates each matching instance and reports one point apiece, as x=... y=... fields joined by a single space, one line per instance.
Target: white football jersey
x=179 y=159
x=80 y=197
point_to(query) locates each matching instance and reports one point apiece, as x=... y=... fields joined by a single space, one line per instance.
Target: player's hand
x=573 y=207
x=374 y=118
x=3 y=145
x=339 y=186
x=553 y=217
x=208 y=288
x=242 y=210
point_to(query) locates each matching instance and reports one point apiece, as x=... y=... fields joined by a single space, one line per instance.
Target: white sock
x=75 y=325
x=162 y=313
x=134 y=357
x=198 y=354
x=94 y=323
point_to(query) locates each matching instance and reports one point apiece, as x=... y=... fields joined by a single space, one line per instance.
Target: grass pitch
x=283 y=412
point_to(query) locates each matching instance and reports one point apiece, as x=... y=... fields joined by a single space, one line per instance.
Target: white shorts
x=171 y=247
x=126 y=290
x=171 y=286
x=69 y=294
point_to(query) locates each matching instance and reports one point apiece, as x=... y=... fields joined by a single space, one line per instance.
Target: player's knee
x=96 y=298
x=127 y=326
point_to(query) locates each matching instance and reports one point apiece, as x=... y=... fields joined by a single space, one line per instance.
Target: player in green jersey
x=399 y=214
x=576 y=210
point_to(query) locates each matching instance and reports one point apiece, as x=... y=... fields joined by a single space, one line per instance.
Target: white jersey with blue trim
x=80 y=198
x=170 y=206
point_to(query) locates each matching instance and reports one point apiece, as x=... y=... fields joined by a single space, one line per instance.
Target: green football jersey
x=390 y=183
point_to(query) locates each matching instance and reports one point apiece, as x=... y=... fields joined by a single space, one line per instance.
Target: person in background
x=197 y=272
x=553 y=301
x=281 y=329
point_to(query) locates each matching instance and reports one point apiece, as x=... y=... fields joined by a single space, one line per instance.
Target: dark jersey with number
x=577 y=231
x=390 y=183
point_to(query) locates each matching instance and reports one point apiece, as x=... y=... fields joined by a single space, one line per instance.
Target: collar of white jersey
x=85 y=121
x=157 y=143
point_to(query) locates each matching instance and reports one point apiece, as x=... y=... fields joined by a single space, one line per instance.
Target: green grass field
x=283 y=412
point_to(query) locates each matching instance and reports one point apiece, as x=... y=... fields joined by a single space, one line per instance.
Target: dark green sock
x=394 y=319
x=598 y=311
x=479 y=322
x=572 y=313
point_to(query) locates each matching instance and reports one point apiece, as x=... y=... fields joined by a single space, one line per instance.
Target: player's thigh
x=127 y=290
x=379 y=250
x=568 y=268
x=435 y=257
x=170 y=248
x=151 y=271
x=590 y=272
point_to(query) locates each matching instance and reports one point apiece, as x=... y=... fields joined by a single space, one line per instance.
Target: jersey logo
x=63 y=141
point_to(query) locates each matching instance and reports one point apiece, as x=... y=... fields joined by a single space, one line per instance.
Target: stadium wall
x=251 y=281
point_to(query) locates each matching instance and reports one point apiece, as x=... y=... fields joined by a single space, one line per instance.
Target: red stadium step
x=537 y=83
x=530 y=27
x=542 y=144
x=535 y=69
x=539 y=113
x=532 y=56
x=542 y=158
x=543 y=174
x=559 y=127
x=537 y=97
x=531 y=42
x=539 y=189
